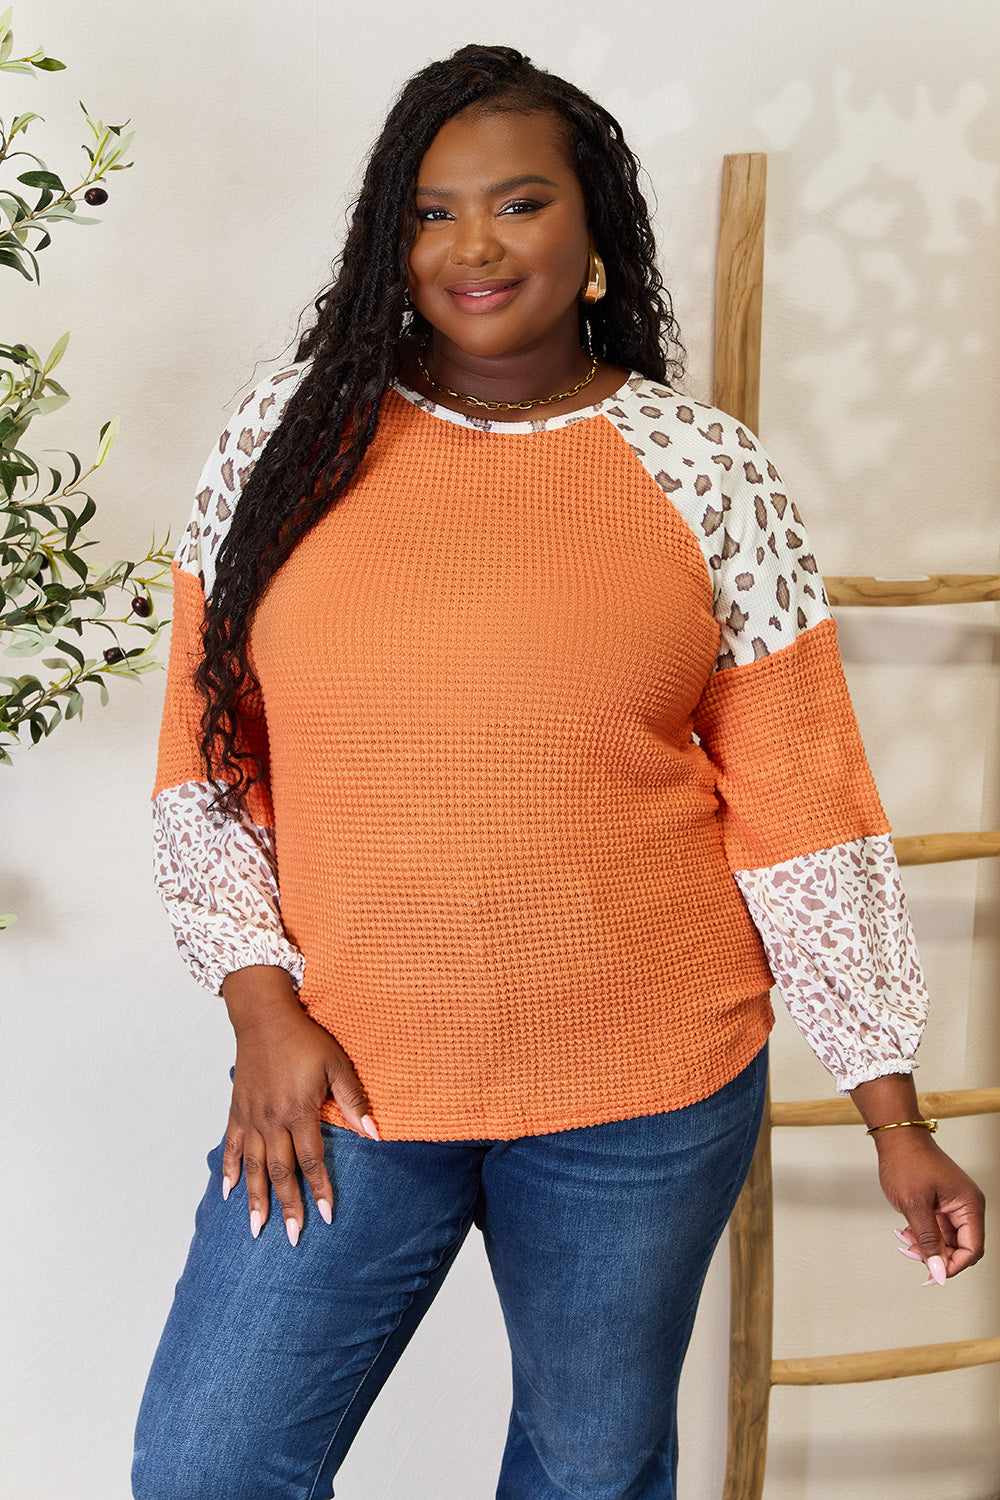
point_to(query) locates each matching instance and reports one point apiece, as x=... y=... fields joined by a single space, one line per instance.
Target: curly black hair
x=353 y=346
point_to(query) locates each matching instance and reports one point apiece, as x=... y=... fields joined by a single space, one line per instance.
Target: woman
x=512 y=660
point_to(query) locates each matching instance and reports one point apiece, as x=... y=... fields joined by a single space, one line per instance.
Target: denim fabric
x=599 y=1239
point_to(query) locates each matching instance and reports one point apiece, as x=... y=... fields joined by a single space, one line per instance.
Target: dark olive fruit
x=141 y=606
x=113 y=654
x=95 y=196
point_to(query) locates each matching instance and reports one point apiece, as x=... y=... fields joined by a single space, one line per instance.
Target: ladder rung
x=939 y=848
x=885 y=1364
x=950 y=1104
x=943 y=588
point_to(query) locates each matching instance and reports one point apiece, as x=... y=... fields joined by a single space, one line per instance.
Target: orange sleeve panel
x=180 y=758
x=793 y=776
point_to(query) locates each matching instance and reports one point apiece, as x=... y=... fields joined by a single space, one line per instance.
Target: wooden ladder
x=752 y=1369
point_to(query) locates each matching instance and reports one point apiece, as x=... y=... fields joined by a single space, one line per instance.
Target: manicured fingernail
x=227 y=1188
x=901 y=1237
x=292 y=1230
x=255 y=1222
x=369 y=1125
x=910 y=1254
x=325 y=1210
x=936 y=1267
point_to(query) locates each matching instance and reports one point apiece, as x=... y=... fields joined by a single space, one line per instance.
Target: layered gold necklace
x=503 y=405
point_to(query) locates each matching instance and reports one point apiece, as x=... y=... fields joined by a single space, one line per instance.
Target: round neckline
x=530 y=424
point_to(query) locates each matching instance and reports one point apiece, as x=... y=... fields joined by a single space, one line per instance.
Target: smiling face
x=500 y=252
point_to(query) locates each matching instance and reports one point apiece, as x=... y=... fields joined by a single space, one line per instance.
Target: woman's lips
x=486 y=298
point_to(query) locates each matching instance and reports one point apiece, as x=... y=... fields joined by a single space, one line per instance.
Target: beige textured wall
x=880 y=404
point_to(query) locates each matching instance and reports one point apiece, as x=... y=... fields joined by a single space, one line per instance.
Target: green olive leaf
x=58 y=350
x=42 y=180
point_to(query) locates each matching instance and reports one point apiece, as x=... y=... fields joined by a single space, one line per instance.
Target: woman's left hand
x=943 y=1207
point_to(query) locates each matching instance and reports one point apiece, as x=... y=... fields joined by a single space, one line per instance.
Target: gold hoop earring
x=596 y=283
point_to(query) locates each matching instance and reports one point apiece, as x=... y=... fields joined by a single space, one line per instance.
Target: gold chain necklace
x=503 y=405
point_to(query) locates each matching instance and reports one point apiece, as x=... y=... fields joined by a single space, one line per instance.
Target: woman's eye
x=438 y=215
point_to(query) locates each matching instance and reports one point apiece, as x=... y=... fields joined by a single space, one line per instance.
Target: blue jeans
x=598 y=1239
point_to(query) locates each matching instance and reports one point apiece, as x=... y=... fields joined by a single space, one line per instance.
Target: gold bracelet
x=930 y=1125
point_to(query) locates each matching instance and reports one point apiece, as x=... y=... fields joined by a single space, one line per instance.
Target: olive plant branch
x=68 y=492
x=25 y=699
x=43 y=522
x=49 y=209
x=25 y=221
x=36 y=59
x=45 y=613
x=115 y=575
x=128 y=664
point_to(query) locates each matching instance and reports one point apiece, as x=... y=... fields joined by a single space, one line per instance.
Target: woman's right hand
x=287 y=1066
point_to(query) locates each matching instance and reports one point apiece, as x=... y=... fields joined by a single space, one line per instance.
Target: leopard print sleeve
x=838 y=938
x=805 y=833
x=227 y=469
x=217 y=876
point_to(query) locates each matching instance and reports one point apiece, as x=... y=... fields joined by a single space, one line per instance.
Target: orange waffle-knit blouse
x=532 y=693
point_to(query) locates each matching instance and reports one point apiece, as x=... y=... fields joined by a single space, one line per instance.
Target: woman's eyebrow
x=495 y=187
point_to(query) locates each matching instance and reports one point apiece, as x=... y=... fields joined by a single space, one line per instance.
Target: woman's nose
x=475 y=243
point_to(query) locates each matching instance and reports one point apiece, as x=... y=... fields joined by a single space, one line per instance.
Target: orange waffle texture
x=505 y=856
